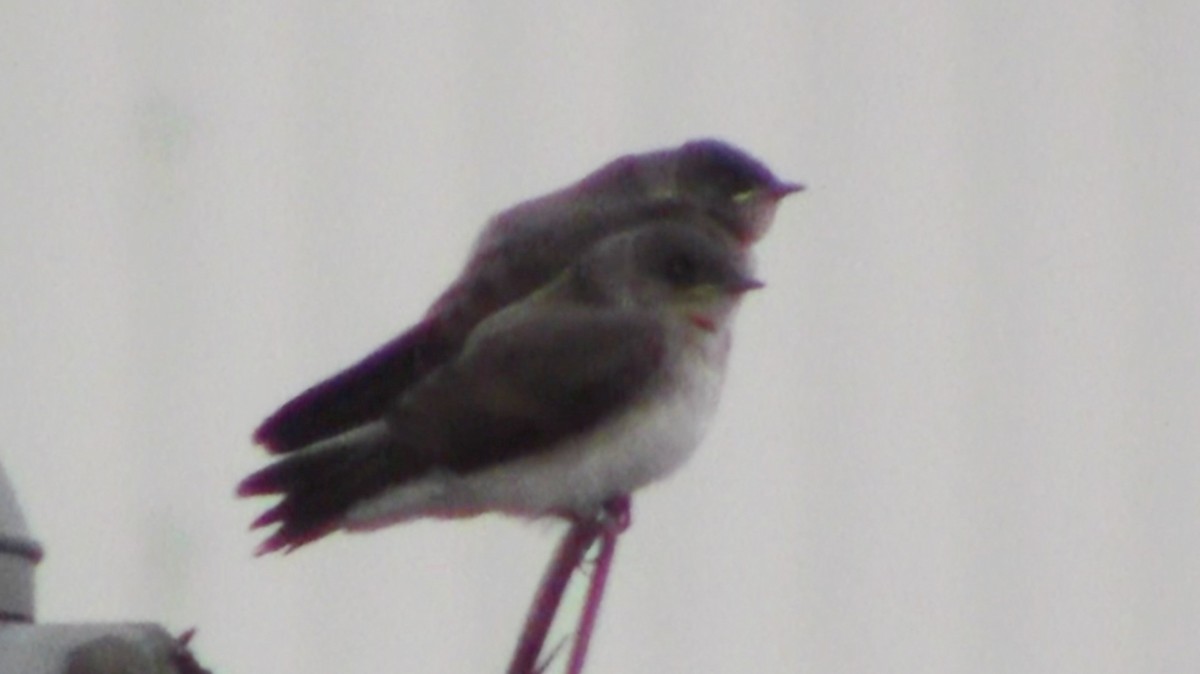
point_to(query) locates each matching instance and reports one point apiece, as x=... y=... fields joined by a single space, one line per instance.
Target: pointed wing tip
x=286 y=542
x=282 y=540
x=251 y=487
x=262 y=482
x=268 y=517
x=272 y=544
x=265 y=436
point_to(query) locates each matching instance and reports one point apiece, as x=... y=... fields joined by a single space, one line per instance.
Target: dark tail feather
x=357 y=395
x=320 y=486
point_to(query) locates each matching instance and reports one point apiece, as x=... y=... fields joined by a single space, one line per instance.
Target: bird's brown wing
x=523 y=389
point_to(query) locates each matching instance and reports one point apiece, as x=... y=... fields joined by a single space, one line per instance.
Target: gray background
x=960 y=429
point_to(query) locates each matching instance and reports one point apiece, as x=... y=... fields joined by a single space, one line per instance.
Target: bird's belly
x=640 y=445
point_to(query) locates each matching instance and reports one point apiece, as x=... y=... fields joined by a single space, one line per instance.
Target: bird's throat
x=703 y=322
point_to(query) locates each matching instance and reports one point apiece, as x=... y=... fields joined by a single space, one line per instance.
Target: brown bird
x=707 y=183
x=594 y=385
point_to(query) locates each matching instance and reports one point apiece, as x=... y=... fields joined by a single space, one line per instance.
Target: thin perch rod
x=613 y=519
x=570 y=553
x=591 y=607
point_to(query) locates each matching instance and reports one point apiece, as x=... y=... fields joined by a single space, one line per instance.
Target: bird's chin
x=759 y=217
x=705 y=323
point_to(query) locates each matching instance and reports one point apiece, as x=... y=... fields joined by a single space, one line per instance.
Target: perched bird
x=706 y=182
x=590 y=387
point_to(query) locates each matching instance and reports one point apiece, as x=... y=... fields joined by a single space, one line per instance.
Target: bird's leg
x=616 y=514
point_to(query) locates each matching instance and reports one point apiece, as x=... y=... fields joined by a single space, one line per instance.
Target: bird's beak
x=744 y=285
x=781 y=189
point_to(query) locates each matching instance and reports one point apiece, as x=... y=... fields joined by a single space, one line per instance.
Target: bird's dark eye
x=681 y=270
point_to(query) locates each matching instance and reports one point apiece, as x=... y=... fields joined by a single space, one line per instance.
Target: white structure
x=97 y=648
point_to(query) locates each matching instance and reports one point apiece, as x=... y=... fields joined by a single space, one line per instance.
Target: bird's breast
x=637 y=445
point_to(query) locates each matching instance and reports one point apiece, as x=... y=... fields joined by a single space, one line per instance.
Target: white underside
x=637 y=447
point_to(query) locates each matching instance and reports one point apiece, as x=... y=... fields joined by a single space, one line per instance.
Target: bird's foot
x=616 y=514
